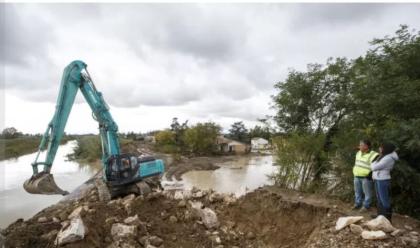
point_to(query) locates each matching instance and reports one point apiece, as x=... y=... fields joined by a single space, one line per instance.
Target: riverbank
x=267 y=217
x=13 y=148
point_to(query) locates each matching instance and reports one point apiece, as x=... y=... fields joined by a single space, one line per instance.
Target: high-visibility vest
x=362 y=164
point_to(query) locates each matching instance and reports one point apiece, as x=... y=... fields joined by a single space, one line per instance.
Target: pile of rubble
x=201 y=218
x=379 y=228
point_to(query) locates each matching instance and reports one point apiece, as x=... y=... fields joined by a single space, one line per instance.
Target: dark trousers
x=382 y=188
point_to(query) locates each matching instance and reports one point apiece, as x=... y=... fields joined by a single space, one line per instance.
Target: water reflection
x=238 y=177
x=16 y=203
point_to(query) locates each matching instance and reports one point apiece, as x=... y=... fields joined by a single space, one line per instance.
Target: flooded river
x=16 y=203
x=239 y=176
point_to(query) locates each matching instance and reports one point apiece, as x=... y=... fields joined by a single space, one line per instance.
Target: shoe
x=364 y=210
x=356 y=207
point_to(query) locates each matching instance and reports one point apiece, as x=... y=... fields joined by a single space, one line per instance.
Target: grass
x=13 y=148
x=89 y=149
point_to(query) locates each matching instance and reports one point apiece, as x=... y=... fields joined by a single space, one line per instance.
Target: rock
x=42 y=219
x=373 y=235
x=209 y=218
x=414 y=233
x=182 y=203
x=356 y=229
x=150 y=246
x=123 y=244
x=215 y=197
x=65 y=224
x=409 y=228
x=173 y=219
x=74 y=232
x=132 y=220
x=144 y=241
x=342 y=222
x=128 y=200
x=198 y=194
x=50 y=236
x=380 y=223
x=229 y=199
x=55 y=219
x=409 y=241
x=397 y=233
x=77 y=212
x=216 y=239
x=119 y=230
x=250 y=235
x=182 y=195
x=207 y=215
x=155 y=240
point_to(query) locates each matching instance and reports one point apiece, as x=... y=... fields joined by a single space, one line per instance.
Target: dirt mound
x=178 y=219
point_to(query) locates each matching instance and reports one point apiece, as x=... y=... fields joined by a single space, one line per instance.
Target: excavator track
x=141 y=188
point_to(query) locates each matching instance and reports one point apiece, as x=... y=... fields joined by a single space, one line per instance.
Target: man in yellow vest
x=363 y=176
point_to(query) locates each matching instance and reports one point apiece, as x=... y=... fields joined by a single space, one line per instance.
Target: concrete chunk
x=74 y=232
x=373 y=235
x=342 y=222
x=380 y=223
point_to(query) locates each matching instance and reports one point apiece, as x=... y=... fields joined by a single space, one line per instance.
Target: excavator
x=121 y=173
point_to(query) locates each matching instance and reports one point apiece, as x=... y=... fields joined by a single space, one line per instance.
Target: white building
x=259 y=144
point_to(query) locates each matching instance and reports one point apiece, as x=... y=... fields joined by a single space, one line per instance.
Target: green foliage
x=297 y=159
x=201 y=138
x=239 y=132
x=10 y=133
x=88 y=149
x=165 y=141
x=374 y=96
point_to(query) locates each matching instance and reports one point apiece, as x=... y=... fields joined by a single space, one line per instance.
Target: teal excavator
x=121 y=174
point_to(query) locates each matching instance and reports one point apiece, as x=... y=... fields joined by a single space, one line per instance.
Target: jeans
x=363 y=187
x=384 y=200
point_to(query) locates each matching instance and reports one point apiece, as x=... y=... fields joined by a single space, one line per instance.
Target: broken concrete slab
x=74 y=232
x=380 y=223
x=373 y=235
x=119 y=231
x=342 y=222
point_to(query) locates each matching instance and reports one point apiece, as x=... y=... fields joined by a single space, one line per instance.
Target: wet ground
x=16 y=203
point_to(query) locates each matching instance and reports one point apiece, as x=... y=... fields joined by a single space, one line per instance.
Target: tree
x=179 y=130
x=165 y=141
x=239 y=132
x=10 y=133
x=201 y=138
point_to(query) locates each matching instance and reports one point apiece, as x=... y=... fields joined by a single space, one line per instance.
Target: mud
x=267 y=217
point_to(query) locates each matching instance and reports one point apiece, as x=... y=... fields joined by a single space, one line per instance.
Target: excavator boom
x=119 y=170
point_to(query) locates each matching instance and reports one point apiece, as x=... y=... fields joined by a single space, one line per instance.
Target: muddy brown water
x=16 y=203
x=239 y=176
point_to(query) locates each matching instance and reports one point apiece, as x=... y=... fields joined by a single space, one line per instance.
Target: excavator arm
x=118 y=169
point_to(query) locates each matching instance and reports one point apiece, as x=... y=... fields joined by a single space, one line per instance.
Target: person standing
x=362 y=176
x=382 y=168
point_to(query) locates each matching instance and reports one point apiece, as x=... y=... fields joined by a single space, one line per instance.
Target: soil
x=267 y=217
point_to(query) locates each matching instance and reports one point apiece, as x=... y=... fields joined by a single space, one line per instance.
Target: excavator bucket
x=43 y=183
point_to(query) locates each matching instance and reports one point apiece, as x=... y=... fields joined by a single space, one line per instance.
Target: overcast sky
x=153 y=62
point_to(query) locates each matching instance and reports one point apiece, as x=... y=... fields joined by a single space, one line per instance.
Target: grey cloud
x=330 y=14
x=23 y=39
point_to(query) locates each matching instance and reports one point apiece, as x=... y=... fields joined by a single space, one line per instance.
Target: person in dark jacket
x=381 y=175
